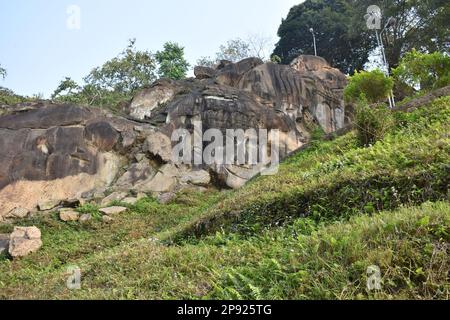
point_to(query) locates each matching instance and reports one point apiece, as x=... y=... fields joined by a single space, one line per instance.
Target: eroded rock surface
x=51 y=152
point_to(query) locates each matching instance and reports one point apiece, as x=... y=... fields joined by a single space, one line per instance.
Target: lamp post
x=391 y=21
x=314 y=41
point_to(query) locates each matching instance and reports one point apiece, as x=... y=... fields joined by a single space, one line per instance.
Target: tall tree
x=342 y=37
x=172 y=63
x=130 y=70
x=419 y=24
x=254 y=45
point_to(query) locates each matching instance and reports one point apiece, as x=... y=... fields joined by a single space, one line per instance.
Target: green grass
x=337 y=179
x=309 y=232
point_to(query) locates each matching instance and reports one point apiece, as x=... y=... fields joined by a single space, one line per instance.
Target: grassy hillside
x=309 y=232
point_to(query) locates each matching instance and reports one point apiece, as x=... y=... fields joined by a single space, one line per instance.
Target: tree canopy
x=344 y=39
x=172 y=63
x=421 y=25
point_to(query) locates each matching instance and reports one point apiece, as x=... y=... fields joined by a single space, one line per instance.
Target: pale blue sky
x=38 y=49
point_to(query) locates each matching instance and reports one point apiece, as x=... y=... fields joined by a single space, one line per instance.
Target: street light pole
x=383 y=54
x=314 y=40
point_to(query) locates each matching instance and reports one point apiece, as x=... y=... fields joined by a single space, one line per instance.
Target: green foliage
x=172 y=63
x=371 y=85
x=275 y=59
x=206 y=62
x=344 y=40
x=113 y=83
x=419 y=24
x=8 y=97
x=341 y=34
x=310 y=232
x=66 y=87
x=130 y=70
x=235 y=50
x=338 y=179
x=372 y=123
x=427 y=71
x=331 y=261
x=3 y=72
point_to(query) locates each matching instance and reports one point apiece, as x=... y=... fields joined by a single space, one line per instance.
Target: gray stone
x=115 y=196
x=69 y=215
x=199 y=178
x=113 y=210
x=24 y=241
x=4 y=243
x=85 y=218
x=136 y=173
x=165 y=198
x=48 y=205
x=158 y=144
x=107 y=219
x=18 y=213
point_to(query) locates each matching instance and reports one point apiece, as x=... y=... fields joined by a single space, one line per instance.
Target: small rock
x=48 y=205
x=4 y=243
x=24 y=240
x=107 y=219
x=19 y=213
x=116 y=196
x=198 y=178
x=130 y=200
x=141 y=195
x=139 y=157
x=85 y=218
x=69 y=215
x=113 y=210
x=165 y=198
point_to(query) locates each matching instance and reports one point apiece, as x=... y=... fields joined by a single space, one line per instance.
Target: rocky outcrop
x=54 y=152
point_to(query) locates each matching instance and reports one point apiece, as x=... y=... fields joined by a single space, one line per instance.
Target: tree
x=3 y=72
x=207 y=62
x=260 y=46
x=419 y=24
x=130 y=70
x=372 y=86
x=172 y=63
x=342 y=36
x=66 y=87
x=234 y=50
x=427 y=71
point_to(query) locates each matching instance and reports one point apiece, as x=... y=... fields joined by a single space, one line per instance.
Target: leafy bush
x=371 y=85
x=424 y=71
x=115 y=82
x=2 y=72
x=172 y=63
x=372 y=122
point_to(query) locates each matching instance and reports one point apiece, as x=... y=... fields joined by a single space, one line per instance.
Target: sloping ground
x=309 y=232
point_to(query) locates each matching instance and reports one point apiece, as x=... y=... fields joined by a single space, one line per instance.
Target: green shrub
x=373 y=86
x=424 y=71
x=372 y=122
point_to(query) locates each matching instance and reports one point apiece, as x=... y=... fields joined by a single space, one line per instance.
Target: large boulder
x=54 y=152
x=24 y=240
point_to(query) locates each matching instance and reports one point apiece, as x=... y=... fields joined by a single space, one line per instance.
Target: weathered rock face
x=57 y=152
x=52 y=153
